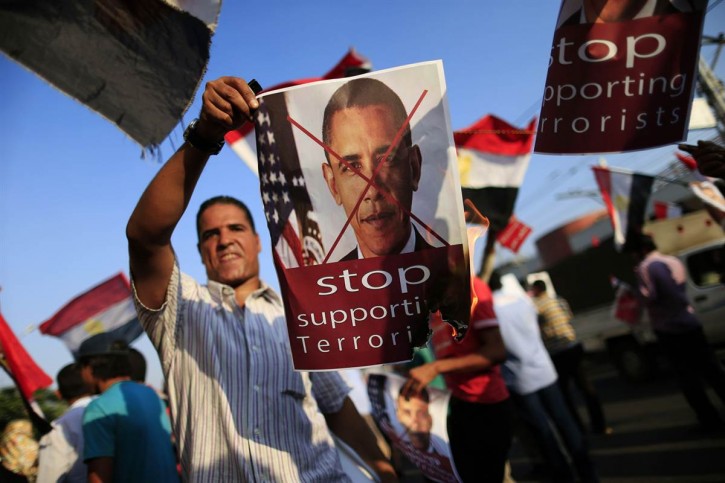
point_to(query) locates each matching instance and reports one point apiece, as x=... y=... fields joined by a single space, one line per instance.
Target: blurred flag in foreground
x=138 y=64
x=625 y=195
x=107 y=307
x=514 y=235
x=492 y=160
x=18 y=363
x=242 y=140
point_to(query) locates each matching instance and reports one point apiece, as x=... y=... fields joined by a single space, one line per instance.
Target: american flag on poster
x=293 y=225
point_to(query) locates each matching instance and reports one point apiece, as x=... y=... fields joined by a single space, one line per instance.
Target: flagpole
x=630 y=172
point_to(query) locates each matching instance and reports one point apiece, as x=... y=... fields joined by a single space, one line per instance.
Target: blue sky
x=69 y=179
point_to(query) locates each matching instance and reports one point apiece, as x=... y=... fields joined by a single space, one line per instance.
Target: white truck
x=631 y=348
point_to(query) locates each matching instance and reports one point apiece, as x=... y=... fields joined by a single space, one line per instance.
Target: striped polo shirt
x=556 y=329
x=239 y=410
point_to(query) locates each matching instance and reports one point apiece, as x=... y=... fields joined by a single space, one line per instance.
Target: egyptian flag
x=107 y=307
x=492 y=160
x=28 y=376
x=625 y=195
x=136 y=63
x=25 y=373
x=242 y=140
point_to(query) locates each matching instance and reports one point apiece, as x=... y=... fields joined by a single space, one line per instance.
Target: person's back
x=61 y=450
x=128 y=422
x=555 y=318
x=661 y=281
x=528 y=366
x=663 y=285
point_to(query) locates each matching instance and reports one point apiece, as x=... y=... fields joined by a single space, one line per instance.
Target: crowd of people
x=236 y=410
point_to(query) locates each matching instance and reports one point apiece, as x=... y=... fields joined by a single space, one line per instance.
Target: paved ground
x=656 y=436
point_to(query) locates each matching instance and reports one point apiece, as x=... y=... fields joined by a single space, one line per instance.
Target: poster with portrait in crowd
x=360 y=187
x=415 y=426
x=621 y=75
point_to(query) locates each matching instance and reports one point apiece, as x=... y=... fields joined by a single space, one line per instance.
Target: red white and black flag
x=492 y=160
x=107 y=307
x=625 y=195
x=28 y=376
x=25 y=373
x=120 y=58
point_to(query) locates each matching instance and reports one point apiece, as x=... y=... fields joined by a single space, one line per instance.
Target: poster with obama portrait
x=415 y=424
x=362 y=199
x=621 y=75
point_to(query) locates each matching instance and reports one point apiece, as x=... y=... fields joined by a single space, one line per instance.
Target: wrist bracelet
x=193 y=139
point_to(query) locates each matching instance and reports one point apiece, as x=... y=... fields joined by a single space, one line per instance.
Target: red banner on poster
x=364 y=312
x=620 y=77
x=362 y=199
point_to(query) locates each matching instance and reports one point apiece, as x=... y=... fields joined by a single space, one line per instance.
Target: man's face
x=612 y=10
x=414 y=415
x=228 y=245
x=361 y=136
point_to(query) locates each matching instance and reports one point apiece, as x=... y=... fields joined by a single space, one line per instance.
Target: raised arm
x=227 y=103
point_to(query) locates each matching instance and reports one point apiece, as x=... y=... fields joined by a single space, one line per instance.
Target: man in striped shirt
x=240 y=412
x=567 y=354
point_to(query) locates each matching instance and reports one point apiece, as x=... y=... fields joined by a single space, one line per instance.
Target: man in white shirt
x=60 y=449
x=531 y=379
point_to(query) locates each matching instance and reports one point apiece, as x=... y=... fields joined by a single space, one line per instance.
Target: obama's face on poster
x=360 y=136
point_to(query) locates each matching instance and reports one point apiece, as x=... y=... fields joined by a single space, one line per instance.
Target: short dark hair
x=222 y=200
x=113 y=364
x=494 y=281
x=70 y=383
x=639 y=242
x=137 y=363
x=539 y=285
x=422 y=395
x=364 y=92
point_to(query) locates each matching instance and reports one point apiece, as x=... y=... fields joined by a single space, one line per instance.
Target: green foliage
x=11 y=406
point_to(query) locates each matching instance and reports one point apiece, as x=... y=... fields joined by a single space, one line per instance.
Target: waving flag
x=21 y=367
x=625 y=195
x=242 y=140
x=514 y=235
x=107 y=307
x=136 y=63
x=492 y=160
